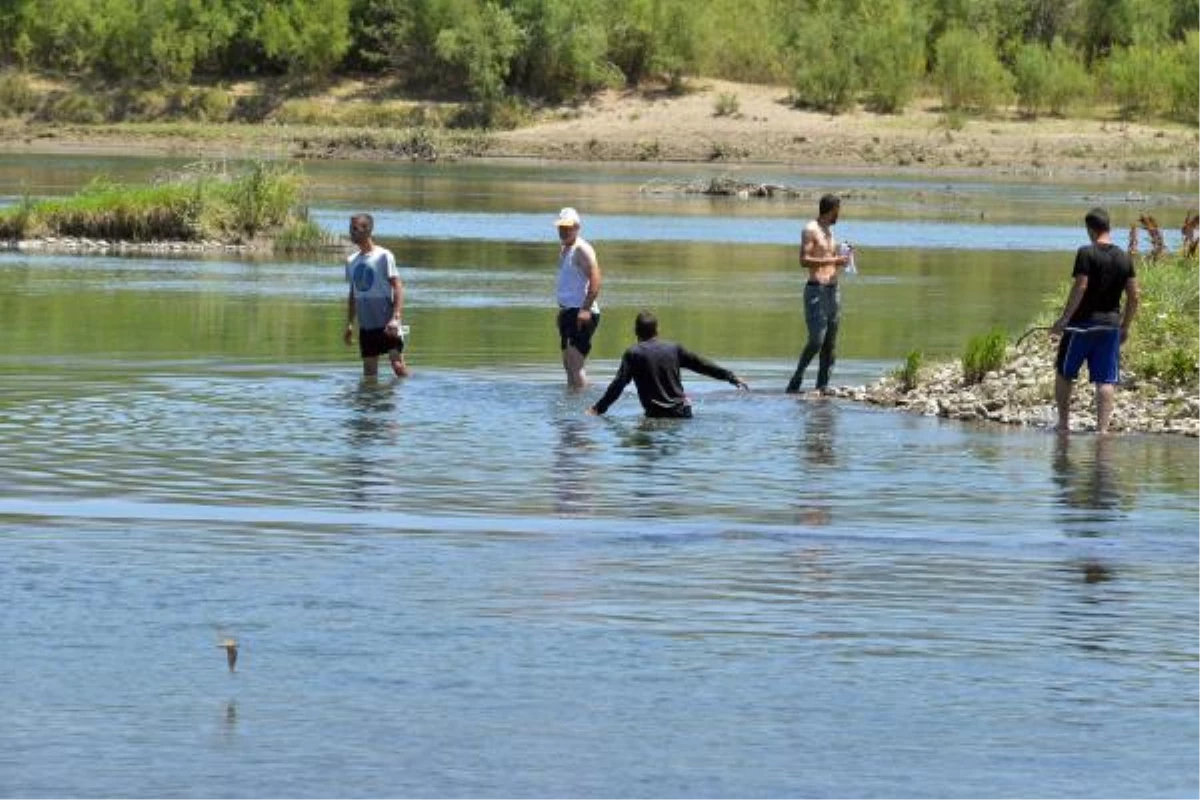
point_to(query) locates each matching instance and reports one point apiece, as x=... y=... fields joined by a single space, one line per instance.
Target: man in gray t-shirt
x=376 y=299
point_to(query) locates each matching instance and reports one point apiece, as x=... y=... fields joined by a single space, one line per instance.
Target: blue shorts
x=1099 y=345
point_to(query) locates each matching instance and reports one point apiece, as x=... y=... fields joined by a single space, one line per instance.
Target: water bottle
x=847 y=249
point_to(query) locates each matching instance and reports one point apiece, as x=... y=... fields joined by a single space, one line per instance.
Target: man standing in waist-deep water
x=376 y=299
x=822 y=302
x=653 y=365
x=1097 y=326
x=577 y=290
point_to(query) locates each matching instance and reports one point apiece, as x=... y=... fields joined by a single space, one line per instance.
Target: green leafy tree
x=1134 y=80
x=826 y=61
x=1184 y=80
x=481 y=45
x=891 y=41
x=969 y=73
x=306 y=37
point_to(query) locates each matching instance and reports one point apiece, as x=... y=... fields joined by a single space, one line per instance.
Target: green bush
x=726 y=105
x=17 y=95
x=1165 y=339
x=1050 y=79
x=909 y=374
x=1184 y=80
x=826 y=76
x=72 y=107
x=969 y=74
x=984 y=354
x=1135 y=80
x=892 y=47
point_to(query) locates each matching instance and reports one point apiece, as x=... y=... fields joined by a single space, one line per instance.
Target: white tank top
x=573 y=280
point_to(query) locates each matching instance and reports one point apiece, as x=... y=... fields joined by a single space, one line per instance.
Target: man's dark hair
x=828 y=203
x=369 y=220
x=645 y=326
x=1097 y=220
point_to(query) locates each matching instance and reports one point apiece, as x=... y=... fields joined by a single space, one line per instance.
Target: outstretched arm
x=703 y=366
x=613 y=393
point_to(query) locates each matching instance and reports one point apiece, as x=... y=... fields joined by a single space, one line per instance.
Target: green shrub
x=984 y=354
x=1184 y=80
x=892 y=54
x=909 y=374
x=1050 y=79
x=17 y=95
x=968 y=74
x=1164 y=342
x=196 y=205
x=726 y=105
x=71 y=107
x=1136 y=80
x=826 y=75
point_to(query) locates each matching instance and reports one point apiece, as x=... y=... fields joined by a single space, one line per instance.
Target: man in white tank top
x=578 y=288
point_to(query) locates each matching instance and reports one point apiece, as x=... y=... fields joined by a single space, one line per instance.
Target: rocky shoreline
x=78 y=244
x=1021 y=392
x=83 y=245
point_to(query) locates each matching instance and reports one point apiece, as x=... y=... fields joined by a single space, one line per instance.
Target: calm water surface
x=461 y=585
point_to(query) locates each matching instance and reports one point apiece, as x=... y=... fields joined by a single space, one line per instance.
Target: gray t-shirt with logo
x=370 y=276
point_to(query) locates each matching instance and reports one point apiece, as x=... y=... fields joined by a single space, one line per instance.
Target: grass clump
x=727 y=104
x=206 y=202
x=17 y=95
x=1165 y=340
x=909 y=375
x=984 y=354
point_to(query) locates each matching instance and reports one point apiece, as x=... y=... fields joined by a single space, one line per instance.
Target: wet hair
x=828 y=203
x=1097 y=220
x=645 y=326
x=367 y=218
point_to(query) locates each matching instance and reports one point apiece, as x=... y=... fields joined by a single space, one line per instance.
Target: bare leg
x=1062 y=398
x=1104 y=405
x=573 y=361
x=370 y=366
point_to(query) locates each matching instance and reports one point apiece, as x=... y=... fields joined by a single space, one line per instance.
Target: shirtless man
x=818 y=254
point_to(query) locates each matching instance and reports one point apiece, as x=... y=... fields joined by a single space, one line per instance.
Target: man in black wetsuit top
x=653 y=365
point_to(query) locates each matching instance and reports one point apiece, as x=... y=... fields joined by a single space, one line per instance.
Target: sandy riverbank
x=646 y=125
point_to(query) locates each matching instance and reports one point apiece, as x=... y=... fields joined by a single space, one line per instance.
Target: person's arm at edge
x=348 y=333
x=1074 y=298
x=594 y=281
x=702 y=365
x=613 y=392
x=397 y=299
x=1133 y=298
x=397 y=288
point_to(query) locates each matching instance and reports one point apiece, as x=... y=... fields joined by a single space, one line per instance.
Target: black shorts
x=571 y=333
x=377 y=341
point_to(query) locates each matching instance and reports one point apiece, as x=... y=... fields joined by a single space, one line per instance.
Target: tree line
x=1046 y=55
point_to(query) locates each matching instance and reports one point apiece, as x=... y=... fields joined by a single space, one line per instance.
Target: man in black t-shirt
x=1092 y=325
x=653 y=365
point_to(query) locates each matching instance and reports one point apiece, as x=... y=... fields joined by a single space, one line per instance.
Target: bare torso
x=818 y=251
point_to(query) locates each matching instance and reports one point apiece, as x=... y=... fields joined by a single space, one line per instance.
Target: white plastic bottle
x=847 y=249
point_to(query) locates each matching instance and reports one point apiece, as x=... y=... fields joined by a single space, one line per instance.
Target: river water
x=460 y=585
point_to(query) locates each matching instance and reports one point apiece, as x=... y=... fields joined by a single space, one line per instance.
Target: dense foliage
x=1047 y=54
x=209 y=201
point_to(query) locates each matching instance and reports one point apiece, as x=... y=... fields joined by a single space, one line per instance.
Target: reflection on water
x=574 y=469
x=1090 y=485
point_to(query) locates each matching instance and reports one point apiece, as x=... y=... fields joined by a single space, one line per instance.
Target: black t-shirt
x=1108 y=268
x=653 y=366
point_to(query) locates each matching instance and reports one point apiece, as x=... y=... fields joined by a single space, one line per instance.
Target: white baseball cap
x=568 y=218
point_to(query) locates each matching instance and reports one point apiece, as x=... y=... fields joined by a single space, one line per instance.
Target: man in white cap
x=578 y=288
